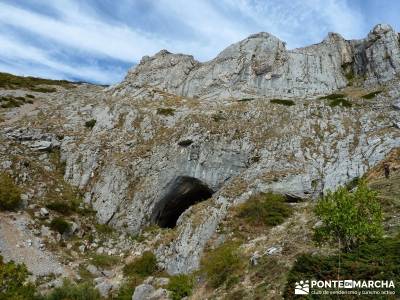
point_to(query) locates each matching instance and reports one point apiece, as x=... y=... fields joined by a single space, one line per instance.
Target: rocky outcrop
x=261 y=66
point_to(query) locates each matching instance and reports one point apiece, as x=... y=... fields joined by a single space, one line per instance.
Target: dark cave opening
x=182 y=193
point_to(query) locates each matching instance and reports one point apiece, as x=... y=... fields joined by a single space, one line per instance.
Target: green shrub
x=165 y=111
x=60 y=225
x=349 y=218
x=13 y=282
x=222 y=264
x=181 y=286
x=340 y=101
x=10 y=194
x=376 y=260
x=283 y=102
x=333 y=96
x=265 y=209
x=30 y=96
x=71 y=291
x=104 y=261
x=143 y=266
x=90 y=124
x=371 y=95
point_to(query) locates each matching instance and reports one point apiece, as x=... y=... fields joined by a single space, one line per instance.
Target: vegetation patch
x=10 y=101
x=104 y=261
x=65 y=202
x=90 y=124
x=15 y=82
x=71 y=291
x=265 y=209
x=181 y=286
x=43 y=89
x=60 y=225
x=283 y=102
x=333 y=96
x=349 y=218
x=340 y=102
x=10 y=194
x=185 y=143
x=104 y=229
x=13 y=281
x=218 y=117
x=376 y=260
x=245 y=99
x=371 y=95
x=222 y=265
x=165 y=111
x=127 y=289
x=143 y=266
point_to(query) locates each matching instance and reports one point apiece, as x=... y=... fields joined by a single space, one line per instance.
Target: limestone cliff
x=261 y=66
x=179 y=131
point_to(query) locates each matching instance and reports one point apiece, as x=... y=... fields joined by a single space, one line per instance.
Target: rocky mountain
x=169 y=153
x=261 y=66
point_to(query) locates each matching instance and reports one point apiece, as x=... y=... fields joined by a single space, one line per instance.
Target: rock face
x=156 y=149
x=261 y=66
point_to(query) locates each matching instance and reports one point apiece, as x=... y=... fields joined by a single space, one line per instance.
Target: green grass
x=340 y=102
x=378 y=260
x=104 y=261
x=222 y=265
x=19 y=82
x=10 y=194
x=283 y=102
x=143 y=266
x=265 y=209
x=165 y=111
x=371 y=95
x=181 y=286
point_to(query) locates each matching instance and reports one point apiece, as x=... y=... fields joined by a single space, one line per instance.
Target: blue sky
x=99 y=40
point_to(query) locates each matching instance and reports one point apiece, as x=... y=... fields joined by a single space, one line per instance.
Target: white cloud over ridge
x=90 y=33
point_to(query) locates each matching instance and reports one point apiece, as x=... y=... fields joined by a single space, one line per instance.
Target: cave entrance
x=182 y=193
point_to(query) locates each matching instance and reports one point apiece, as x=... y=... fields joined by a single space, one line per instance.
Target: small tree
x=349 y=218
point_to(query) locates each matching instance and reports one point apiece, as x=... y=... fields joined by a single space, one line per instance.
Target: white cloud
x=80 y=32
x=14 y=50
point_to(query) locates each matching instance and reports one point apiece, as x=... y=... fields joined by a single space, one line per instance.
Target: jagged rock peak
x=260 y=66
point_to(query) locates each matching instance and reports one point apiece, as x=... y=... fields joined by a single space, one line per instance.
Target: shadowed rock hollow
x=183 y=192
